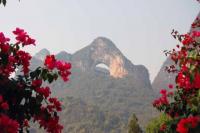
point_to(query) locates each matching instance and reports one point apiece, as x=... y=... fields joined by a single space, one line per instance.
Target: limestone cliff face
x=117 y=69
x=102 y=51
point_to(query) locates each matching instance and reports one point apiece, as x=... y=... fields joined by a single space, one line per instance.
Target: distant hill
x=163 y=78
x=104 y=78
x=81 y=117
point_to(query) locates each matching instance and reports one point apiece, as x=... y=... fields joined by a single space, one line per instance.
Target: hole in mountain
x=103 y=68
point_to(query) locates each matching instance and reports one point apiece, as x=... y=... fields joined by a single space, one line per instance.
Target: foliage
x=182 y=104
x=3 y=2
x=155 y=124
x=81 y=116
x=24 y=98
x=133 y=126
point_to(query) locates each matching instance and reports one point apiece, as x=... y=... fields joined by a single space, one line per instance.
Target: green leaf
x=193 y=54
x=44 y=74
x=36 y=73
x=4 y=2
x=50 y=78
x=198 y=94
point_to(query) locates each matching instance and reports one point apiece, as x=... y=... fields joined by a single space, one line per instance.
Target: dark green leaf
x=4 y=2
x=50 y=78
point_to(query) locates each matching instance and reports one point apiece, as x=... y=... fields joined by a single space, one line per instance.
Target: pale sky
x=139 y=28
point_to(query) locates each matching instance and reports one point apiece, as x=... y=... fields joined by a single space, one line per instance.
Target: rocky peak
x=103 y=42
x=63 y=55
x=102 y=51
x=42 y=54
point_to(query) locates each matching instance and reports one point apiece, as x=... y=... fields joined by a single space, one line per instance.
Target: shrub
x=24 y=98
x=182 y=104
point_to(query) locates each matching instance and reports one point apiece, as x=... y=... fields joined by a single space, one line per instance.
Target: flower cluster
x=62 y=67
x=163 y=100
x=24 y=97
x=24 y=59
x=186 y=123
x=182 y=104
x=44 y=91
x=23 y=38
x=3 y=105
x=8 y=125
x=51 y=125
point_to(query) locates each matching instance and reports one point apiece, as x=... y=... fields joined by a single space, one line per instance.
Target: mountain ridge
x=120 y=87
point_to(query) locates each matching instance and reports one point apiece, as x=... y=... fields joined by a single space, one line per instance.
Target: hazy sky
x=139 y=28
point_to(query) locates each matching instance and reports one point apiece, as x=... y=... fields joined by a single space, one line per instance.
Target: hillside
x=102 y=76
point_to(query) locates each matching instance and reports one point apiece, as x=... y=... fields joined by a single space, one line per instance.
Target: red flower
x=63 y=68
x=37 y=83
x=8 y=125
x=22 y=37
x=183 y=81
x=196 y=81
x=46 y=109
x=44 y=91
x=187 y=39
x=53 y=126
x=24 y=60
x=63 y=65
x=18 y=31
x=3 y=39
x=26 y=123
x=163 y=127
x=1 y=98
x=5 y=106
x=5 y=48
x=50 y=62
x=162 y=100
x=163 y=92
x=186 y=123
x=195 y=34
x=170 y=86
x=56 y=103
